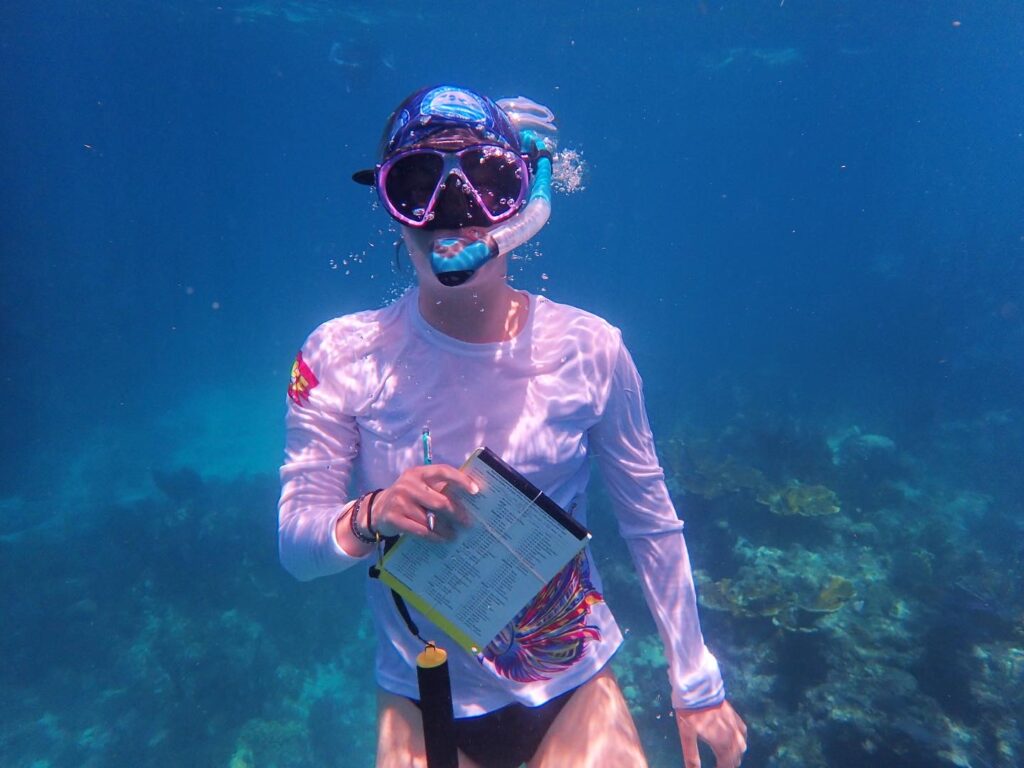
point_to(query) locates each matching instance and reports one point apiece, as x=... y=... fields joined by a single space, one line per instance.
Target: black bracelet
x=369 y=514
x=355 y=528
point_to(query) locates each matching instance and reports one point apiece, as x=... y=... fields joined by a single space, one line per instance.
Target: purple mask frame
x=452 y=160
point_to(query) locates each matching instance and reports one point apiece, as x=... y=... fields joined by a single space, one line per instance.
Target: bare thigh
x=400 y=734
x=594 y=728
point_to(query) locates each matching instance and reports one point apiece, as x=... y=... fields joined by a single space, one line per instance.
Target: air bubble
x=568 y=170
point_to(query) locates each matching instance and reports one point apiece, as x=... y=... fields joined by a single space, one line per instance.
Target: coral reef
x=852 y=444
x=794 y=589
x=866 y=608
x=877 y=620
x=795 y=498
x=697 y=469
x=173 y=637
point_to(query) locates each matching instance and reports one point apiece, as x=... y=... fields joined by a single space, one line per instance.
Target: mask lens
x=497 y=175
x=411 y=181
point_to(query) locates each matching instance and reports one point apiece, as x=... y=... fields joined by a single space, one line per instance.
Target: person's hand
x=415 y=504
x=722 y=729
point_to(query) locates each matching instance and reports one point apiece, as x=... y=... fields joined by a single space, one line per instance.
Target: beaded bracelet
x=355 y=528
x=369 y=514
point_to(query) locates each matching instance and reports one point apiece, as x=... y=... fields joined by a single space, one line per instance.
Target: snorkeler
x=546 y=386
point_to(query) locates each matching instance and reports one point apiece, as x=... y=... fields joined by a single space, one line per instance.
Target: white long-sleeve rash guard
x=564 y=389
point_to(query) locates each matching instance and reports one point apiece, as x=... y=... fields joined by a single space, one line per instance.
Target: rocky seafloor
x=863 y=597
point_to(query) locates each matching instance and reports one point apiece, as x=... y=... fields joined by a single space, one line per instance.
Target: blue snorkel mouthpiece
x=455 y=259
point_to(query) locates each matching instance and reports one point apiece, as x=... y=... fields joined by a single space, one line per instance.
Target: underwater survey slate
x=473 y=586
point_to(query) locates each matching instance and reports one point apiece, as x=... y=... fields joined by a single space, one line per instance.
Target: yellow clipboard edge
x=465 y=641
x=471 y=457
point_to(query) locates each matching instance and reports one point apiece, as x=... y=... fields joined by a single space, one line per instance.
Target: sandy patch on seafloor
x=225 y=433
x=219 y=434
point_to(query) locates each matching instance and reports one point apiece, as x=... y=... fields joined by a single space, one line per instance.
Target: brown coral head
x=795 y=498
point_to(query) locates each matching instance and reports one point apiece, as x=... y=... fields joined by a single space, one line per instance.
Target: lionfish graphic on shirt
x=550 y=634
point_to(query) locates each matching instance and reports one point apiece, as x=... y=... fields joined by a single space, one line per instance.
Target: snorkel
x=456 y=259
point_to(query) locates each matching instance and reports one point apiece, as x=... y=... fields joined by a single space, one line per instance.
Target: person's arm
x=315 y=517
x=623 y=447
x=321 y=445
x=316 y=535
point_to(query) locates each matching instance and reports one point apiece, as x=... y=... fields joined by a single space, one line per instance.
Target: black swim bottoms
x=507 y=737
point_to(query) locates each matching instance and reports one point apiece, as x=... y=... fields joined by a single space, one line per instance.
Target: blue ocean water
x=805 y=217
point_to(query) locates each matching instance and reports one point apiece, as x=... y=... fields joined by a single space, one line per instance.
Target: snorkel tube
x=455 y=259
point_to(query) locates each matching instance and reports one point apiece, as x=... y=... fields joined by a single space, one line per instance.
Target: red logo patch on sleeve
x=303 y=381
